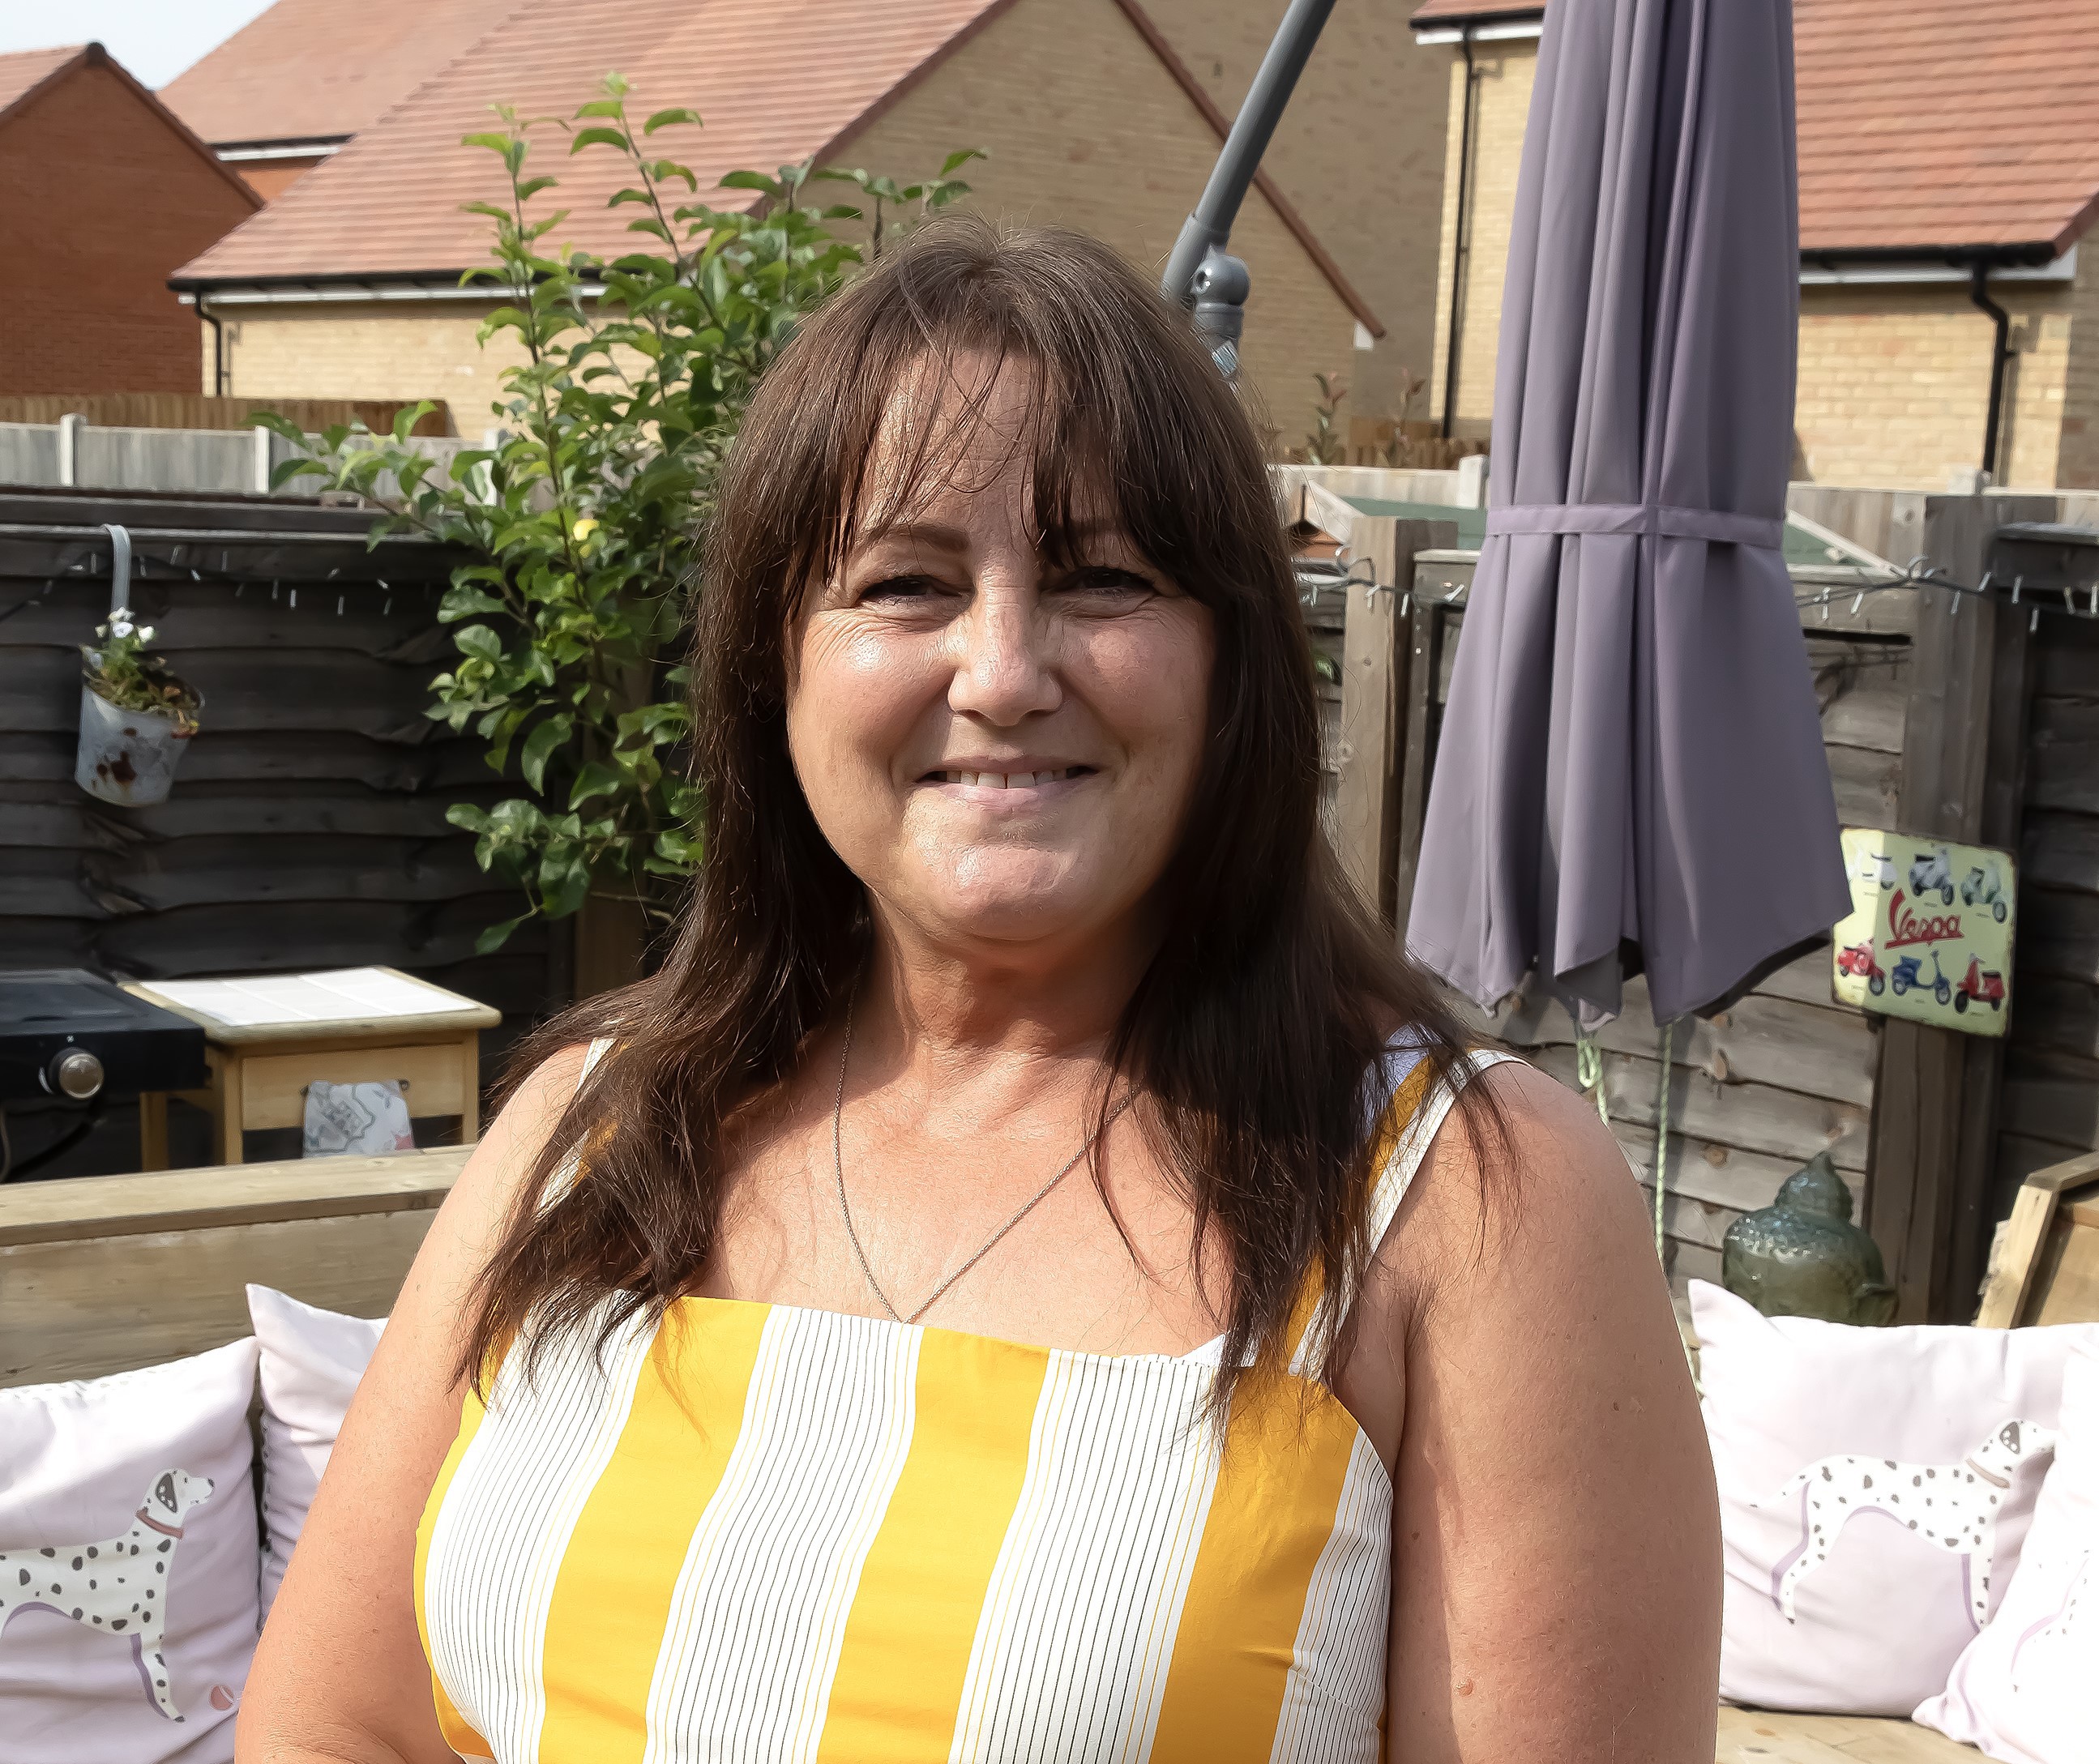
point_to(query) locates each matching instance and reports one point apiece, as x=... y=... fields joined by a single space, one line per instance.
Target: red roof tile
x=1947 y=124
x=777 y=81
x=1934 y=125
x=321 y=69
x=22 y=73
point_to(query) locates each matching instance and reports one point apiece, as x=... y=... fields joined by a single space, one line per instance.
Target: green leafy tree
x=584 y=515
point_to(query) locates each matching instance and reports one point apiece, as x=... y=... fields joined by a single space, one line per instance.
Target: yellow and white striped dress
x=757 y=1531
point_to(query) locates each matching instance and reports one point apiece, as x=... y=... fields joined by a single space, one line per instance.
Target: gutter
x=1979 y=292
x=1461 y=243
x=218 y=345
x=330 y=290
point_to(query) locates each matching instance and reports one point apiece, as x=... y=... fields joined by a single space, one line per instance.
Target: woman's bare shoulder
x=1522 y=1183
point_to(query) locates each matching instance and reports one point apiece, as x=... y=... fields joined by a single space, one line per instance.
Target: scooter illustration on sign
x=1932 y=869
x=1857 y=960
x=1985 y=887
x=1986 y=986
x=1909 y=973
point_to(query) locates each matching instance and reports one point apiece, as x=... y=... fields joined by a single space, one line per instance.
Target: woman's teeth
x=1006 y=780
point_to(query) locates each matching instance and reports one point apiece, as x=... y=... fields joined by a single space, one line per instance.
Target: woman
x=1013 y=1286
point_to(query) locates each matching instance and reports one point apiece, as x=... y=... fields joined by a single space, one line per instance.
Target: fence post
x=69 y=428
x=261 y=438
x=1375 y=653
x=1928 y=1169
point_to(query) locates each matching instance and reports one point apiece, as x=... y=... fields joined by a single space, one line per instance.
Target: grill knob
x=77 y=1073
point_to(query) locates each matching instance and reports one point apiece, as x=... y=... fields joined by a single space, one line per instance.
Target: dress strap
x=1412 y=1114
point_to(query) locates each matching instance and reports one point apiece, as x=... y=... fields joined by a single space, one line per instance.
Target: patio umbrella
x=1630 y=776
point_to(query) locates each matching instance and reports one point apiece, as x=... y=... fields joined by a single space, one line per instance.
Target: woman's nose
x=1005 y=672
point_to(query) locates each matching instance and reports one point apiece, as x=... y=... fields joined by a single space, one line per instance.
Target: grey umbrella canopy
x=1630 y=775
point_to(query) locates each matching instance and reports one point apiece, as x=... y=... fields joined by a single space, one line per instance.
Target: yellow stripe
x=898 y=1689
x=1286 y=1457
x=1286 y=1450
x=458 y=1731
x=611 y=1603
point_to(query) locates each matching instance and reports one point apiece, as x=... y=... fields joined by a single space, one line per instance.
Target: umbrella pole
x=1661 y=1139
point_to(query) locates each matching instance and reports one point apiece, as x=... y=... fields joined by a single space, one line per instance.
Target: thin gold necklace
x=845 y=1211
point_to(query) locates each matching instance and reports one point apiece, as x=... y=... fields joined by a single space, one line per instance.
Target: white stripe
x=1071 y=1653
x=759 y=1609
x=498 y=1541
x=1336 y=1689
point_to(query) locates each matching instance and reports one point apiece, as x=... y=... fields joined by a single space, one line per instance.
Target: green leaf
x=595 y=779
x=496 y=143
x=663 y=119
x=497 y=935
x=546 y=739
x=959 y=158
x=599 y=138
x=480 y=642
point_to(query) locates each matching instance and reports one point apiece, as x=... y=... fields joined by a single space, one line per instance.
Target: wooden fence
x=1928 y=725
x=307 y=827
x=201 y=410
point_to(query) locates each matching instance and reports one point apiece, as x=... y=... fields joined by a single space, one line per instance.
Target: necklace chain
x=990 y=1243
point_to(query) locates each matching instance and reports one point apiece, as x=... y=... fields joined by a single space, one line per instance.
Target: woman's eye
x=1103 y=579
x=904 y=587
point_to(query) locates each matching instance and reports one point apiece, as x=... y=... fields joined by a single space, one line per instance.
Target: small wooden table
x=419 y=1035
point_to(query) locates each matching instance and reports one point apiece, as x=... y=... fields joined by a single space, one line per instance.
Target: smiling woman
x=1339 y=1406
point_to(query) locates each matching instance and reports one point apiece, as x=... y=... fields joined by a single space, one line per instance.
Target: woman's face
x=1002 y=748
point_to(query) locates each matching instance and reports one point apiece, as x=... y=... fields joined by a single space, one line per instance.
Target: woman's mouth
x=1008 y=781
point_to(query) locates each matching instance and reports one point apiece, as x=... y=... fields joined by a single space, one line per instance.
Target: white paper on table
x=332 y=996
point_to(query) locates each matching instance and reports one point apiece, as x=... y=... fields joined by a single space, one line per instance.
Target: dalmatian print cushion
x=127 y=1564
x=311 y=1361
x=1876 y=1485
x=2024 y=1690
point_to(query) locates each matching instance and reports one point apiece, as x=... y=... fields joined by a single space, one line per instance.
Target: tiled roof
x=1940 y=123
x=775 y=81
x=21 y=73
x=1935 y=124
x=321 y=69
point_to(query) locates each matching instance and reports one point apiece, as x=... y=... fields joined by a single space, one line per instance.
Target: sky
x=155 y=39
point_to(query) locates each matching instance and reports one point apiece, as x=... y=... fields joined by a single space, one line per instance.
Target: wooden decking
x=1758 y=1736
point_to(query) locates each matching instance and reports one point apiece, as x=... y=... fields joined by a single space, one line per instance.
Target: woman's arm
x=1556 y=1533
x=339 y=1675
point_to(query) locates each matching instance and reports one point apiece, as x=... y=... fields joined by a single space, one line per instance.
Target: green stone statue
x=1801 y=1257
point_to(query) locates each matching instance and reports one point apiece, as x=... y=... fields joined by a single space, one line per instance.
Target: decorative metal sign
x=1930 y=934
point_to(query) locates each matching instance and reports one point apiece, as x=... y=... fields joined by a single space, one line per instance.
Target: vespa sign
x=1929 y=934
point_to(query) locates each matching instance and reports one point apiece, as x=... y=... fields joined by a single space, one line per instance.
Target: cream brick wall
x=1089 y=130
x=1895 y=384
x=2077 y=457
x=403 y=350
x=1359 y=153
x=1506 y=72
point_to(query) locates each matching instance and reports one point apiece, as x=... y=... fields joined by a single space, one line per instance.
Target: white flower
x=120 y=623
x=146 y=634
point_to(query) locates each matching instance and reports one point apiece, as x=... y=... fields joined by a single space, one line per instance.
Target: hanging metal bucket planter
x=128 y=757
x=128 y=753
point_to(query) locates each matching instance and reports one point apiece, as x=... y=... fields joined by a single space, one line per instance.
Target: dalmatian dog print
x=1949 y=1507
x=117 y=1587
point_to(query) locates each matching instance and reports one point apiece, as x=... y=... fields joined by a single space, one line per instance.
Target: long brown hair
x=1254 y=1034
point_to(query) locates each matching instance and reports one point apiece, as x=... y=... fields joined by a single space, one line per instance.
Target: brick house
x=1949 y=168
x=346 y=284
x=103 y=195
x=289 y=89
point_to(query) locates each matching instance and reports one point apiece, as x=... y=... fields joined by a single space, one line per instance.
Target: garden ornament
x=1801 y=1257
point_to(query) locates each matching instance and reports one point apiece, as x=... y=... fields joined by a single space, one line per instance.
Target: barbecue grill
x=68 y=1035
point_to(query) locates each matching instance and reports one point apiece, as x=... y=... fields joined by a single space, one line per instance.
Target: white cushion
x=2026 y=1689
x=129 y=1500
x=1879 y=1480
x=311 y=1361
